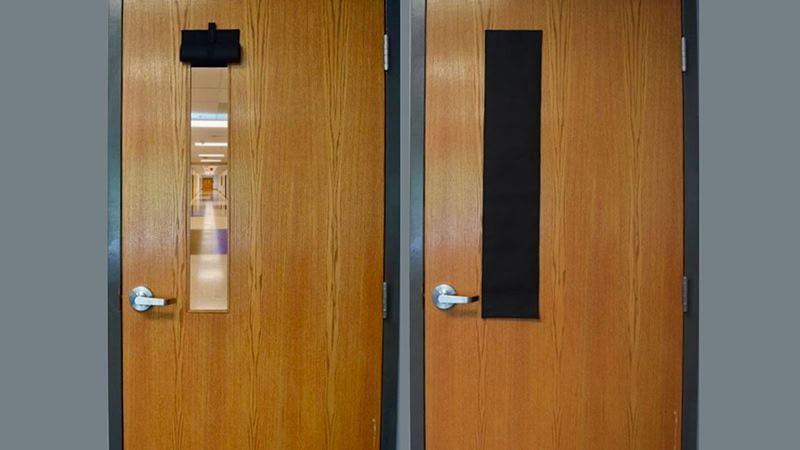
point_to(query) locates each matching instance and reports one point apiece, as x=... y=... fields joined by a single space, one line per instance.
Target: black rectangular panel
x=511 y=173
x=210 y=48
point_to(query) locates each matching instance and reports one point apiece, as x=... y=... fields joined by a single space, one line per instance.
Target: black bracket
x=210 y=48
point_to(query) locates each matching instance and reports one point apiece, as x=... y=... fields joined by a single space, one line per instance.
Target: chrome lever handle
x=444 y=297
x=141 y=299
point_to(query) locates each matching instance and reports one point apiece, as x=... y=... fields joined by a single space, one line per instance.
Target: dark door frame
x=391 y=227
x=691 y=225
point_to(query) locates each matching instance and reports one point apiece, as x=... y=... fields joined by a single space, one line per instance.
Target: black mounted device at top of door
x=211 y=47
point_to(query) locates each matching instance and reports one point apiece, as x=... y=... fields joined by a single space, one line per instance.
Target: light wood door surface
x=208 y=184
x=602 y=368
x=295 y=363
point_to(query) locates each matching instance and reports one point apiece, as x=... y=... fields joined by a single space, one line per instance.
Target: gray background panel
x=53 y=358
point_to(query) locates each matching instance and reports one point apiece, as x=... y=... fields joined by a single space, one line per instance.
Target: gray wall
x=52 y=225
x=749 y=224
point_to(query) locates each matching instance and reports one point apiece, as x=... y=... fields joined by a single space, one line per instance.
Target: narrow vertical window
x=208 y=211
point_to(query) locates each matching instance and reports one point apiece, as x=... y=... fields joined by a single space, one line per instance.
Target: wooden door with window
x=270 y=333
x=600 y=367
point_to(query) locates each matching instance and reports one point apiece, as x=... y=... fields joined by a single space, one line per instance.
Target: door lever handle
x=142 y=299
x=444 y=297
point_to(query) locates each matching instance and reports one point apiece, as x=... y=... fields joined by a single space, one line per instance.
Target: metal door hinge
x=385 y=52
x=683 y=54
x=385 y=300
x=685 y=294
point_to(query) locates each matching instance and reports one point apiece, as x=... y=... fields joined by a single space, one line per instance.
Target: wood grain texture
x=602 y=368
x=296 y=362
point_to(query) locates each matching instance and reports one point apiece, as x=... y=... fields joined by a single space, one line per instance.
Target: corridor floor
x=209 y=252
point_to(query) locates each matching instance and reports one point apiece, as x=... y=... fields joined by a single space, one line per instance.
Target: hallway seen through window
x=208 y=242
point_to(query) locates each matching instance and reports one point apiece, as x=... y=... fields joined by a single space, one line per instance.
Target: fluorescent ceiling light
x=209 y=124
x=210 y=160
x=211 y=155
x=209 y=116
x=211 y=144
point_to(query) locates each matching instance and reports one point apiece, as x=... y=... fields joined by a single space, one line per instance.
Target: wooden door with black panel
x=553 y=224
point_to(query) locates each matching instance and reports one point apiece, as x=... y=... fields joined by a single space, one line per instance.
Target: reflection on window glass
x=208 y=243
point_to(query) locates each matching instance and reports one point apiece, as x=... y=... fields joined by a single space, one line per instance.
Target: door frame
x=391 y=227
x=416 y=225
